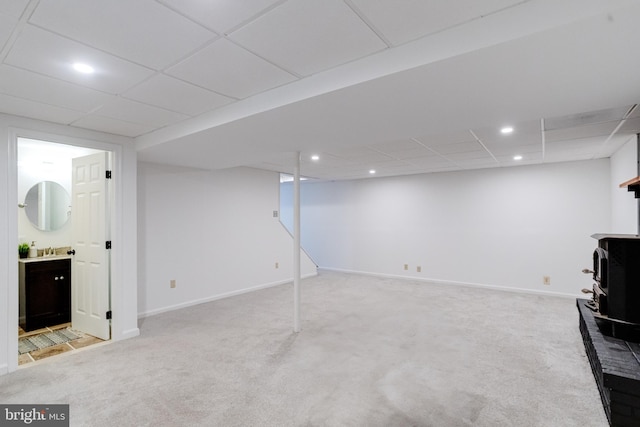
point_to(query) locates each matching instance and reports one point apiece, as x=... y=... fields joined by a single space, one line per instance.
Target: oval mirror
x=47 y=206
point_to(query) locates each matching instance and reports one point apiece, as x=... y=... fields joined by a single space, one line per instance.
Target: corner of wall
x=624 y=206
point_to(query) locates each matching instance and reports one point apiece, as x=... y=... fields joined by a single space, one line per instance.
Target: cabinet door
x=47 y=292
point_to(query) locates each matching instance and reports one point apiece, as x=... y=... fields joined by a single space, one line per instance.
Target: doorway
x=60 y=307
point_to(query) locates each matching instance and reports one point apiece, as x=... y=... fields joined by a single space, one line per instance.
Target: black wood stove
x=610 y=326
x=616 y=288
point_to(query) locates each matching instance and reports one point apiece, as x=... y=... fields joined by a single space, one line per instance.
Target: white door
x=90 y=263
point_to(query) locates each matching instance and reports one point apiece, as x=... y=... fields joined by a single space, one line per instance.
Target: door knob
x=71 y=252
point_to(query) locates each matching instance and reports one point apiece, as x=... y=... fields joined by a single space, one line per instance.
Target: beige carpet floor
x=372 y=352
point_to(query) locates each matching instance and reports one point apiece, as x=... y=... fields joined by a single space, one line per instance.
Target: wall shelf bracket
x=633 y=185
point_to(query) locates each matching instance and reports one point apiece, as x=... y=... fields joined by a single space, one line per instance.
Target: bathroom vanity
x=45 y=291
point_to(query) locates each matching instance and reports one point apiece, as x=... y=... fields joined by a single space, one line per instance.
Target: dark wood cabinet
x=45 y=293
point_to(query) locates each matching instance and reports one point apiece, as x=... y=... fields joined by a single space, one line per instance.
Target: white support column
x=296 y=244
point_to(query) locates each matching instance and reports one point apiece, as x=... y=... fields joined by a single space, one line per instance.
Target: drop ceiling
x=397 y=86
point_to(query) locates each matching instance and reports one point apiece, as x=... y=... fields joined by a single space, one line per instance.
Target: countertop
x=44 y=258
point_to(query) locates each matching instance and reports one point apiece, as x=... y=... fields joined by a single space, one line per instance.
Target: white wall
x=504 y=227
x=27 y=232
x=624 y=205
x=124 y=274
x=211 y=231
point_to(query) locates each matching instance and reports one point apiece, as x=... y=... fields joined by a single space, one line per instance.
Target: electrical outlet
x=406 y=266
x=172 y=283
x=546 y=280
x=418 y=269
x=277 y=265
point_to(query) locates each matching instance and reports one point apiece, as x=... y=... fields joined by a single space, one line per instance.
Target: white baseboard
x=455 y=283
x=217 y=297
x=4 y=369
x=129 y=333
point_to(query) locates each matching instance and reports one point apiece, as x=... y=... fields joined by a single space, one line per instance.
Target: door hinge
x=108 y=174
x=108 y=315
x=108 y=244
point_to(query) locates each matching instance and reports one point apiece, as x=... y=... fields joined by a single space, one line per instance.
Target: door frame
x=116 y=202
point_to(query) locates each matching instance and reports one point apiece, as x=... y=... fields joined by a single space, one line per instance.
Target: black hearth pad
x=616 y=367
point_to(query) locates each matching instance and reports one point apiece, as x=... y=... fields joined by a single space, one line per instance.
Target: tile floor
x=84 y=341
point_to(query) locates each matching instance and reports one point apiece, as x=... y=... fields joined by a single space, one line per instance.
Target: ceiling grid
x=399 y=86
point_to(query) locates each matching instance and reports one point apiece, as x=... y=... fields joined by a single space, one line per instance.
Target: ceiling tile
x=459 y=147
x=411 y=171
x=449 y=138
x=110 y=125
x=388 y=164
x=512 y=141
x=428 y=162
x=35 y=110
x=388 y=173
x=148 y=33
x=7 y=24
x=585 y=118
x=307 y=36
x=613 y=144
x=631 y=125
x=281 y=159
x=403 y=149
x=448 y=168
x=521 y=130
x=220 y=15
x=13 y=8
x=585 y=143
x=404 y=20
x=471 y=154
x=175 y=95
x=567 y=156
x=527 y=158
x=28 y=85
x=136 y=112
x=512 y=150
x=46 y=53
x=476 y=162
x=265 y=166
x=396 y=146
x=326 y=161
x=598 y=129
x=336 y=175
x=230 y=70
x=360 y=155
x=343 y=170
x=410 y=154
x=350 y=153
x=577 y=149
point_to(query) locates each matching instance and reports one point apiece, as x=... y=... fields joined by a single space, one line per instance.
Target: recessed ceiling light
x=372 y=171
x=518 y=157
x=506 y=129
x=315 y=157
x=83 y=68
